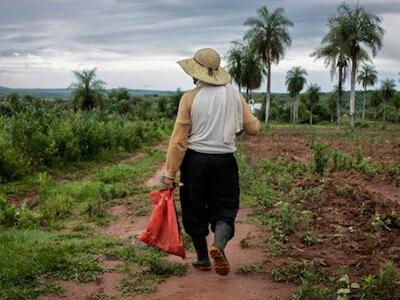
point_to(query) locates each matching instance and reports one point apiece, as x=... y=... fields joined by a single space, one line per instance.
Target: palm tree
x=252 y=70
x=361 y=32
x=295 y=81
x=87 y=91
x=367 y=77
x=269 y=34
x=333 y=53
x=375 y=101
x=313 y=98
x=235 y=59
x=388 y=90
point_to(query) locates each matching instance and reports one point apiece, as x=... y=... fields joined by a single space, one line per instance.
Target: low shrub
x=320 y=157
x=12 y=164
x=43 y=138
x=340 y=161
x=8 y=214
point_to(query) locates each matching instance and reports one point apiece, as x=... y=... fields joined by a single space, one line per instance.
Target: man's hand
x=168 y=183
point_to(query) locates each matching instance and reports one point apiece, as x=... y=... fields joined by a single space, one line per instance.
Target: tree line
x=354 y=36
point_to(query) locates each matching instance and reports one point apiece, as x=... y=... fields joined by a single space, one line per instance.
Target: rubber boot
x=223 y=233
x=202 y=262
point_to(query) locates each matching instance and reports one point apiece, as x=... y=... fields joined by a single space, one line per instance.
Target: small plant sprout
x=345 y=287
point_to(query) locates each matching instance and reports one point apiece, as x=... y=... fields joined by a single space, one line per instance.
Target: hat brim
x=195 y=70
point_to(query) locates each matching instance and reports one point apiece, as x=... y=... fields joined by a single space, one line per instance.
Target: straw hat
x=205 y=66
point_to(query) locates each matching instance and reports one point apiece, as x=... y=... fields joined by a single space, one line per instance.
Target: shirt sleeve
x=251 y=125
x=179 y=138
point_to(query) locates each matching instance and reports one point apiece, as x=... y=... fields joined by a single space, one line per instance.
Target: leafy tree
x=269 y=35
x=388 y=90
x=235 y=62
x=119 y=94
x=375 y=101
x=120 y=101
x=252 y=70
x=332 y=105
x=175 y=98
x=313 y=99
x=295 y=81
x=333 y=53
x=396 y=104
x=88 y=91
x=13 y=104
x=361 y=33
x=367 y=77
x=245 y=66
x=162 y=105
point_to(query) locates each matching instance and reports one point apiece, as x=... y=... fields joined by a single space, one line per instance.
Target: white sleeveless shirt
x=217 y=116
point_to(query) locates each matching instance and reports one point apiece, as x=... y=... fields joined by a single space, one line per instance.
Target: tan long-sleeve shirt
x=183 y=126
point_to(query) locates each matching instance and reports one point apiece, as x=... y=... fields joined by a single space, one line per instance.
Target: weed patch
x=296 y=271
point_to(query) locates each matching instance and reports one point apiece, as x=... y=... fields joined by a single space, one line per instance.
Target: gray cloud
x=50 y=36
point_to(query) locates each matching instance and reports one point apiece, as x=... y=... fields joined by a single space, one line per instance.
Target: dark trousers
x=210 y=192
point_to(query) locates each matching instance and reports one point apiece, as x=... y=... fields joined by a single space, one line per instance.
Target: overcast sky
x=136 y=43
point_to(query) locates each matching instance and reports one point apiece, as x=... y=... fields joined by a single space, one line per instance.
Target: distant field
x=66 y=93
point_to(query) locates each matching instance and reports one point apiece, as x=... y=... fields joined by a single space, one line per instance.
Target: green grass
x=33 y=248
x=88 y=198
x=297 y=271
x=26 y=255
x=254 y=269
x=267 y=186
x=146 y=269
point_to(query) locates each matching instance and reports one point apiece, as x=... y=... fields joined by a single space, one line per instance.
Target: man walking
x=202 y=146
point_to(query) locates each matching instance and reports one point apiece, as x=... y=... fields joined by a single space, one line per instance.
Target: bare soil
x=155 y=180
x=380 y=146
x=345 y=222
x=30 y=199
x=343 y=212
x=292 y=146
x=126 y=223
x=106 y=284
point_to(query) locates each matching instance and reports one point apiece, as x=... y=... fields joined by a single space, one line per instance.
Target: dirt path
x=155 y=180
x=208 y=285
x=194 y=284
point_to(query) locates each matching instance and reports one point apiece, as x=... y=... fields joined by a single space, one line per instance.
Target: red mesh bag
x=163 y=230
